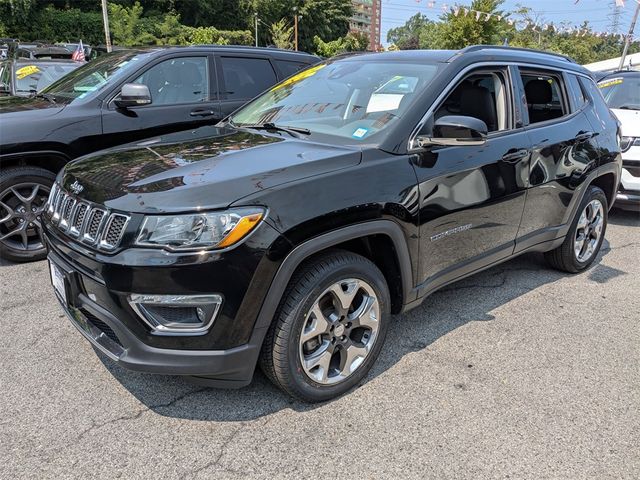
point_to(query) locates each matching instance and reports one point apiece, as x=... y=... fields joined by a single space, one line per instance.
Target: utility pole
x=629 y=36
x=105 y=21
x=295 y=28
x=256 y=18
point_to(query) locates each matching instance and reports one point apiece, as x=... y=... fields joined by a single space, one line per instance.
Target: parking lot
x=518 y=372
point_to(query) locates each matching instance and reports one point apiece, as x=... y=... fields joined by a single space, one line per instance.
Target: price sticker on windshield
x=26 y=71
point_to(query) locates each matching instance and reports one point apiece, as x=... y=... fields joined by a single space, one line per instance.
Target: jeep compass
x=287 y=235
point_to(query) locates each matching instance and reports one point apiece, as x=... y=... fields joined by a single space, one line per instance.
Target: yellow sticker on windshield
x=26 y=71
x=611 y=82
x=309 y=72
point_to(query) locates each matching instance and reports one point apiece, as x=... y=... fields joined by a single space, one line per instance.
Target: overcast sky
x=396 y=12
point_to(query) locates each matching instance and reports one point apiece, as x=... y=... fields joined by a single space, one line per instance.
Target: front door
x=182 y=97
x=472 y=197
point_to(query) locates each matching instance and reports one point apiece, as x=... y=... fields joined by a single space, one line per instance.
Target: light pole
x=629 y=35
x=105 y=21
x=256 y=18
x=295 y=28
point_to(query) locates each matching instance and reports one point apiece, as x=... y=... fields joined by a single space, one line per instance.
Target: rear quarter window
x=288 y=68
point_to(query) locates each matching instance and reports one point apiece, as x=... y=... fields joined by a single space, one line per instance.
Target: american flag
x=78 y=54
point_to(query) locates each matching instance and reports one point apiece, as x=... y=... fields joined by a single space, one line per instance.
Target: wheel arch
x=607 y=182
x=370 y=239
x=50 y=160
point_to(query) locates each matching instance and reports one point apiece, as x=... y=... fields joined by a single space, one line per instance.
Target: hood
x=208 y=168
x=630 y=120
x=23 y=106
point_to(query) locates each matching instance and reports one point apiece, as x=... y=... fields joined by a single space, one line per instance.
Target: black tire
x=12 y=248
x=564 y=257
x=280 y=358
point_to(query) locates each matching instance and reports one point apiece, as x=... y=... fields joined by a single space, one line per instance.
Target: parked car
x=72 y=47
x=25 y=78
x=352 y=190
x=621 y=91
x=118 y=98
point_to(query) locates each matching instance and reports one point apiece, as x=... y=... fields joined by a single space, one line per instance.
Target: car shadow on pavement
x=469 y=300
x=625 y=218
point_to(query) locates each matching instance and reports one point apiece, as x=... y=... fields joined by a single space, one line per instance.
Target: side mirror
x=133 y=95
x=455 y=130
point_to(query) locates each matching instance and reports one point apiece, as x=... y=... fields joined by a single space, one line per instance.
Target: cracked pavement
x=519 y=371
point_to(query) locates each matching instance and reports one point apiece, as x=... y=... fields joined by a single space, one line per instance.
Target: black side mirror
x=456 y=130
x=133 y=95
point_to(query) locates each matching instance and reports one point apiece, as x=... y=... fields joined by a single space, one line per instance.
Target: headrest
x=538 y=92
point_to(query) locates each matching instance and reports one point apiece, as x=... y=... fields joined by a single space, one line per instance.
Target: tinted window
x=576 y=90
x=544 y=96
x=245 y=78
x=178 y=80
x=289 y=68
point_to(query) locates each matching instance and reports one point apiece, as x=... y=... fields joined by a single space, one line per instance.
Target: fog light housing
x=177 y=314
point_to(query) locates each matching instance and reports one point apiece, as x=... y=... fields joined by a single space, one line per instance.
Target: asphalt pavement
x=517 y=372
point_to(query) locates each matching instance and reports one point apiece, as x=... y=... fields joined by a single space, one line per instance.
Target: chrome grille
x=92 y=224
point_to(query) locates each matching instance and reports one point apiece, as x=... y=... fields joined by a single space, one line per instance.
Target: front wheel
x=584 y=239
x=23 y=194
x=329 y=328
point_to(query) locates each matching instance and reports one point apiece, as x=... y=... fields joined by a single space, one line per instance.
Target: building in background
x=367 y=19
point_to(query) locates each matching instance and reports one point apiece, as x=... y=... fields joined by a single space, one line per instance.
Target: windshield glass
x=352 y=99
x=621 y=92
x=32 y=78
x=95 y=75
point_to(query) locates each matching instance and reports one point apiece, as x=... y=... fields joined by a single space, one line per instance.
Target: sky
x=396 y=12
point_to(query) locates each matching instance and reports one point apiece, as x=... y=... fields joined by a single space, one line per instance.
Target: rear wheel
x=23 y=194
x=329 y=328
x=584 y=239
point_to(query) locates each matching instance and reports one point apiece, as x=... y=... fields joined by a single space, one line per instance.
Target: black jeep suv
x=121 y=97
x=287 y=235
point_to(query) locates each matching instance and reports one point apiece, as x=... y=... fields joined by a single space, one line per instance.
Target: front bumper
x=231 y=368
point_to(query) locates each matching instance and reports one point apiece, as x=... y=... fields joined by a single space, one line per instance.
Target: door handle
x=515 y=156
x=202 y=113
x=583 y=136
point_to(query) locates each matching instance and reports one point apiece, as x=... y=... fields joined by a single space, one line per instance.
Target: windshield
x=352 y=99
x=621 y=92
x=32 y=78
x=95 y=75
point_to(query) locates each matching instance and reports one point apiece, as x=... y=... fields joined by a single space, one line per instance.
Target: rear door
x=472 y=197
x=183 y=94
x=242 y=77
x=564 y=150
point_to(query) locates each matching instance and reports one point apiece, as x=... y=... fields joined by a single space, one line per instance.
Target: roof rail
x=475 y=48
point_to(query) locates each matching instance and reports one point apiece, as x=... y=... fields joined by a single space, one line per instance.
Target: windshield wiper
x=629 y=107
x=268 y=126
x=46 y=96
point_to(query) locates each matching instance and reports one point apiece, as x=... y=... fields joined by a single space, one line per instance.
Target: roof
x=218 y=48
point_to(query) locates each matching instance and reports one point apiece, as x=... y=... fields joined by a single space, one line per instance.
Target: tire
x=355 y=348
x=565 y=257
x=23 y=194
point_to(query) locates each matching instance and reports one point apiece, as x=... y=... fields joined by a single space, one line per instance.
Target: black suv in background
x=121 y=97
x=288 y=235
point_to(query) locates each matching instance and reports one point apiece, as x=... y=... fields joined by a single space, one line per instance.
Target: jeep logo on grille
x=76 y=187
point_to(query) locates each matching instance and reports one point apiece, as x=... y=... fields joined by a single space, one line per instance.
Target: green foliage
x=126 y=25
x=462 y=30
x=352 y=42
x=407 y=37
x=282 y=34
x=211 y=35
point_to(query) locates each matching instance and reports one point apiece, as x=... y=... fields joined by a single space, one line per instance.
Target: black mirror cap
x=133 y=95
x=460 y=126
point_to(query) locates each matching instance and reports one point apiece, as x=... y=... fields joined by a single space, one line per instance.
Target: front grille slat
x=94 y=225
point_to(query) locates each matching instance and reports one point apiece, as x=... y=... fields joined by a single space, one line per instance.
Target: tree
x=127 y=27
x=282 y=34
x=459 y=31
x=407 y=37
x=352 y=42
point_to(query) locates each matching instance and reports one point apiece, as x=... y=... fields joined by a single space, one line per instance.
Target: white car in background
x=621 y=90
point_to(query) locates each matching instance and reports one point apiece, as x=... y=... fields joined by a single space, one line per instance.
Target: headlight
x=199 y=230
x=627 y=142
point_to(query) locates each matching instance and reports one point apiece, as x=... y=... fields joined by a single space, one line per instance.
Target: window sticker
x=26 y=71
x=610 y=82
x=360 y=133
x=309 y=72
x=383 y=102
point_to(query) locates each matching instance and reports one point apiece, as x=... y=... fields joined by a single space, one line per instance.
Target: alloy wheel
x=339 y=332
x=21 y=208
x=588 y=230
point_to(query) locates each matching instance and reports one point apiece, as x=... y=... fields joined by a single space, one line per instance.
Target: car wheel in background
x=23 y=194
